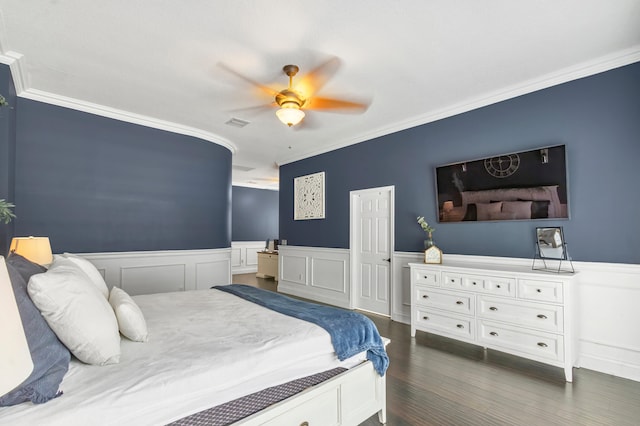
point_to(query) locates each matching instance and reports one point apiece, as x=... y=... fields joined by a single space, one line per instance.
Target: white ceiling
x=157 y=62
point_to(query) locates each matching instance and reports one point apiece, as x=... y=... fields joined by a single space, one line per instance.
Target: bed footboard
x=348 y=399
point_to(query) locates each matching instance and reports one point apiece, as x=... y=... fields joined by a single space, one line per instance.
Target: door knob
x=387 y=260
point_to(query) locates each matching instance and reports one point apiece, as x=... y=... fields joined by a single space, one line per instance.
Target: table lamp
x=36 y=249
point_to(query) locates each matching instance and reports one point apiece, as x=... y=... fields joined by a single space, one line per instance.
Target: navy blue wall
x=254 y=214
x=597 y=118
x=7 y=150
x=94 y=184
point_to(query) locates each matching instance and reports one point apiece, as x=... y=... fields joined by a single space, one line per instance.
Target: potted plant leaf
x=5 y=211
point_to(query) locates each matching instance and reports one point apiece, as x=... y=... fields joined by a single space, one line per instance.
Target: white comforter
x=205 y=348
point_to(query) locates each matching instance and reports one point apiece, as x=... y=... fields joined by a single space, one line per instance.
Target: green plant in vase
x=5 y=211
x=428 y=229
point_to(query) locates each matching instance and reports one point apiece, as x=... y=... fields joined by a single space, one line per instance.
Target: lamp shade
x=290 y=115
x=36 y=249
x=15 y=359
x=447 y=206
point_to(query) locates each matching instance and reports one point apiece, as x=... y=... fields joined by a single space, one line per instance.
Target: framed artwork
x=551 y=245
x=308 y=197
x=527 y=185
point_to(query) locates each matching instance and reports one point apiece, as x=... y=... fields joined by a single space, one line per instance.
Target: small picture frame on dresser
x=433 y=255
x=551 y=250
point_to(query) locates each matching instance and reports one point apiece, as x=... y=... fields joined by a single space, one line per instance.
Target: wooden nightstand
x=267 y=265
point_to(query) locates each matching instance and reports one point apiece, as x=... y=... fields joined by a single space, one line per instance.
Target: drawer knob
x=542 y=344
x=425 y=318
x=493 y=308
x=539 y=290
x=460 y=326
x=459 y=302
x=474 y=283
x=424 y=296
x=453 y=281
x=498 y=286
x=493 y=333
x=541 y=316
x=426 y=277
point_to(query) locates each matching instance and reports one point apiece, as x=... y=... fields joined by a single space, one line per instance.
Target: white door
x=372 y=242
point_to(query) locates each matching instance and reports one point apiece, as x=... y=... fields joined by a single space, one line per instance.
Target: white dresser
x=503 y=307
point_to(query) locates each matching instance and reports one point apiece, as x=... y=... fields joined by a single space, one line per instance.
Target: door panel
x=373 y=251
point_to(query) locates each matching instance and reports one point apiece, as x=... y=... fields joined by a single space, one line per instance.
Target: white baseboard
x=610 y=359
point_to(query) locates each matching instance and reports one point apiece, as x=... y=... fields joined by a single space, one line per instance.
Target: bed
x=540 y=202
x=208 y=348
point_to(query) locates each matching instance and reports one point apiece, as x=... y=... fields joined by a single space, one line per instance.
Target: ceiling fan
x=293 y=100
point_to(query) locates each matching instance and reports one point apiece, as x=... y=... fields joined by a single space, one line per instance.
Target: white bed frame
x=347 y=399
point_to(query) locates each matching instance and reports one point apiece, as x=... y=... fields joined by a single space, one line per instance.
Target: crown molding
x=116 y=114
x=17 y=66
x=15 y=61
x=585 y=69
x=619 y=59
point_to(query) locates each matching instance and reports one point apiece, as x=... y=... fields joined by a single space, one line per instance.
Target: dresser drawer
x=537 y=344
x=445 y=323
x=452 y=280
x=424 y=277
x=502 y=286
x=535 y=315
x=543 y=291
x=470 y=282
x=462 y=281
x=462 y=303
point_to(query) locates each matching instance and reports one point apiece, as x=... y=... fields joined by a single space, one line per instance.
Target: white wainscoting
x=321 y=274
x=144 y=272
x=608 y=294
x=607 y=305
x=609 y=318
x=401 y=285
x=244 y=256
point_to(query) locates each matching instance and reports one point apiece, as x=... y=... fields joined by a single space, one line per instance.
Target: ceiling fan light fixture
x=290 y=114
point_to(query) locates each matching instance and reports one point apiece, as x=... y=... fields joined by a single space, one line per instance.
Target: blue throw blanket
x=351 y=332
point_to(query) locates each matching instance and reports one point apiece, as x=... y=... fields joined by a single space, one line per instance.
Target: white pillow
x=520 y=209
x=485 y=210
x=76 y=311
x=130 y=318
x=88 y=268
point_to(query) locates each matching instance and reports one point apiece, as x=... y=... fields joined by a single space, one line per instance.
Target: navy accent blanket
x=351 y=332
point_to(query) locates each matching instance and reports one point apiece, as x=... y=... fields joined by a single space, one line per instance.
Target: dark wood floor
x=437 y=381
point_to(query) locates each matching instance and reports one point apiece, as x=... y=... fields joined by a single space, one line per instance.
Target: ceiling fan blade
x=337 y=105
x=268 y=90
x=315 y=79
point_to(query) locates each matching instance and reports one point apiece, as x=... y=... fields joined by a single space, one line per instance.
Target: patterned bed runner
x=235 y=410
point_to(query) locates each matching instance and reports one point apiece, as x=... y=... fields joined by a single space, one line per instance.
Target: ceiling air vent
x=241 y=168
x=236 y=122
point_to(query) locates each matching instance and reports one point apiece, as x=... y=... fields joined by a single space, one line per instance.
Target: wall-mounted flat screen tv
x=528 y=185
